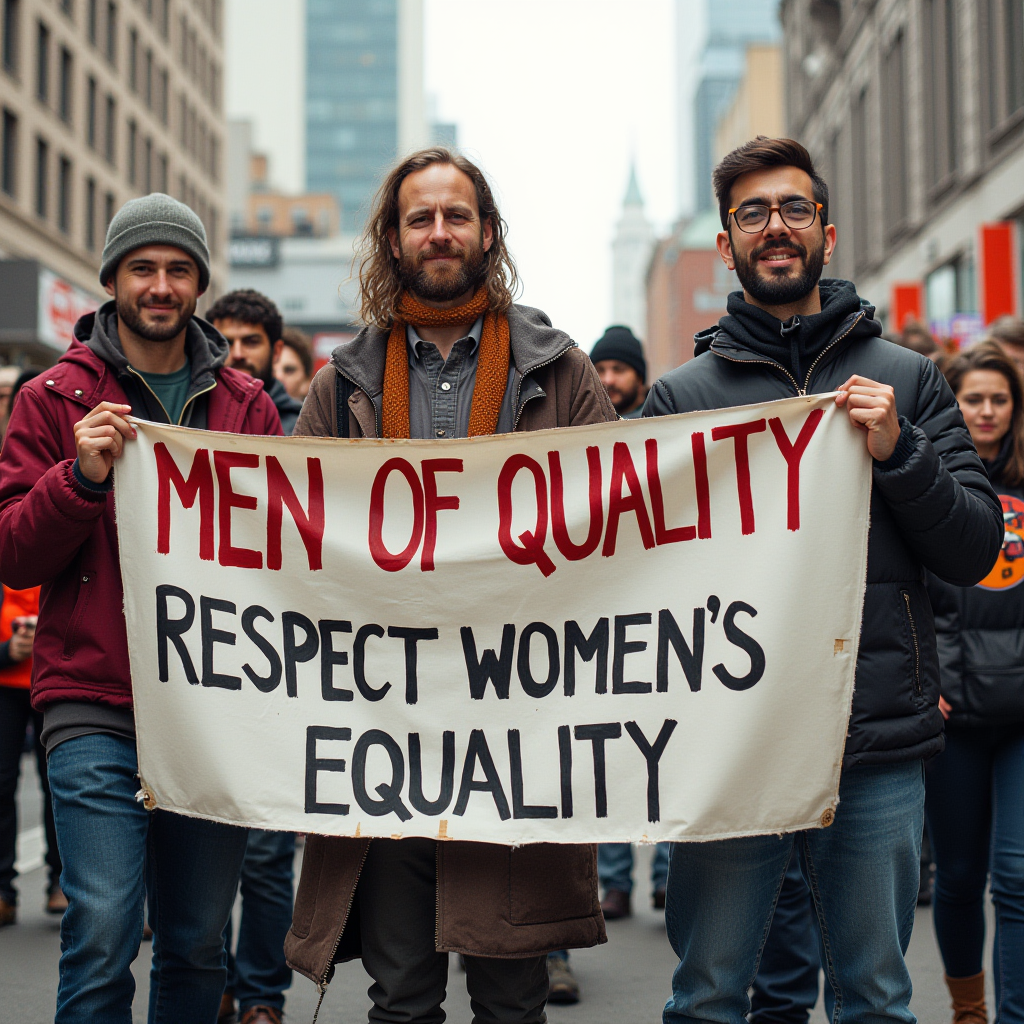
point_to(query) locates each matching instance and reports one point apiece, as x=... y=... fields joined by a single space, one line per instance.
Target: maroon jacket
x=57 y=533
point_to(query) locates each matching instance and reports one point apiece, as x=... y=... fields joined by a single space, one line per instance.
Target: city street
x=626 y=980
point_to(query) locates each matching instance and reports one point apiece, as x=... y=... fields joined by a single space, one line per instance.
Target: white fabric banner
x=639 y=630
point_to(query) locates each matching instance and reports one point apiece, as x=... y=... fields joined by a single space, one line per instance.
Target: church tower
x=631 y=251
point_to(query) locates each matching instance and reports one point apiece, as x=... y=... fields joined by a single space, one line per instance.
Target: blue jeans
x=615 y=866
x=863 y=872
x=257 y=973
x=786 y=987
x=114 y=853
x=975 y=806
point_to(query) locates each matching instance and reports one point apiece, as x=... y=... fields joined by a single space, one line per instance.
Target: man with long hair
x=445 y=353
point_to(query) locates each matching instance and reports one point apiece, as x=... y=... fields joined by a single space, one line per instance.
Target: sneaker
x=658 y=898
x=615 y=905
x=8 y=912
x=56 y=901
x=562 y=986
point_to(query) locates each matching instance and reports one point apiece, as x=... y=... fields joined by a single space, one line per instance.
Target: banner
x=639 y=630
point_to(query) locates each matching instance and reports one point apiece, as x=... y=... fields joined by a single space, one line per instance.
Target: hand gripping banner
x=640 y=630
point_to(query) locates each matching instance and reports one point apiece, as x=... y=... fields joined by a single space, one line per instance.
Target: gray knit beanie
x=155 y=219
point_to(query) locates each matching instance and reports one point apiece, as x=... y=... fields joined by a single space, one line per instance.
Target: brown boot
x=968 y=999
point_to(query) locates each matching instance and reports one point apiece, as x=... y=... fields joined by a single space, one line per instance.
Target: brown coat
x=493 y=901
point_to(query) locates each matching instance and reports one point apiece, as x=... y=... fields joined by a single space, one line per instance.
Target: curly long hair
x=379 y=282
x=990 y=355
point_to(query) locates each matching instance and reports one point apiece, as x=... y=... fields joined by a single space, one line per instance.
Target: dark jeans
x=257 y=972
x=786 y=987
x=975 y=811
x=15 y=715
x=115 y=854
x=396 y=904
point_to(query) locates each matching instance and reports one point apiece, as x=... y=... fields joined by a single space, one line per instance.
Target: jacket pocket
x=86 y=586
x=551 y=882
x=915 y=640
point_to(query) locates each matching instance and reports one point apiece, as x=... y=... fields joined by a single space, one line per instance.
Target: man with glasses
x=788 y=333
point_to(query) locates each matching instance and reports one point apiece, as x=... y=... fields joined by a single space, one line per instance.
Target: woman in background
x=975 y=790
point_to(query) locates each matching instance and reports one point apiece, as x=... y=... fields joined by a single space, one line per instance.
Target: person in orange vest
x=18 y=612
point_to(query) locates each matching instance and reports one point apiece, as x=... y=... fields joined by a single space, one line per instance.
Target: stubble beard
x=780 y=289
x=131 y=316
x=442 y=284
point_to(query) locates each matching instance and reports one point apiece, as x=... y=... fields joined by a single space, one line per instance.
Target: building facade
x=103 y=100
x=915 y=111
x=364 y=96
x=731 y=26
x=631 y=252
x=758 y=107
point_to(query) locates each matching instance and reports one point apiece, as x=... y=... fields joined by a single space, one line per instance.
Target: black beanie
x=622 y=344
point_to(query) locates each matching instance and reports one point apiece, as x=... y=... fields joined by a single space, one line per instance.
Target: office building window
x=67 y=70
x=112 y=32
x=894 y=126
x=165 y=17
x=90 y=112
x=165 y=96
x=859 y=144
x=42 y=176
x=42 y=63
x=147 y=166
x=68 y=7
x=131 y=148
x=64 y=195
x=941 y=93
x=110 y=147
x=89 y=214
x=1003 y=57
x=147 y=79
x=12 y=30
x=133 y=60
x=9 y=154
x=92 y=21
x=109 y=209
x=161 y=174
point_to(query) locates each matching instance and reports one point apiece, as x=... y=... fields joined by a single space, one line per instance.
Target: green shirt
x=171 y=389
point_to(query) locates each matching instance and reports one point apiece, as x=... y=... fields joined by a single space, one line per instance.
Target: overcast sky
x=552 y=97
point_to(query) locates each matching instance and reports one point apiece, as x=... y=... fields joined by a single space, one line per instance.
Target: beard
x=779 y=288
x=266 y=374
x=130 y=314
x=427 y=280
x=623 y=401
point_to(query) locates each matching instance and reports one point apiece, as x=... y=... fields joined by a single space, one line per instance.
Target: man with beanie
x=143 y=353
x=253 y=327
x=445 y=354
x=619 y=360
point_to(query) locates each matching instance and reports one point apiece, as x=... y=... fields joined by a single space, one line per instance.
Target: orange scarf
x=491 y=370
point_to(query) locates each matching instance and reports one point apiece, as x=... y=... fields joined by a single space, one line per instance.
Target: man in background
x=253 y=326
x=619 y=359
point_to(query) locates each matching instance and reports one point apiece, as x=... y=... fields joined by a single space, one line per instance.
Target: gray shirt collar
x=414 y=340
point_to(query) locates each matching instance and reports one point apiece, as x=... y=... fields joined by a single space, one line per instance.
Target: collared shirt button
x=79 y=392
x=440 y=433
x=50 y=383
x=445 y=386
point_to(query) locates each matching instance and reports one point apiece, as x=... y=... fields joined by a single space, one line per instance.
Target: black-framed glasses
x=796 y=214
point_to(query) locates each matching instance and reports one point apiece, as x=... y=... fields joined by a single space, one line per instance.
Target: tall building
x=731 y=26
x=758 y=107
x=631 y=252
x=914 y=111
x=100 y=100
x=364 y=96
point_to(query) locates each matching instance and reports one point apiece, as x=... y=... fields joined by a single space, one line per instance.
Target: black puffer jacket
x=980 y=630
x=932 y=506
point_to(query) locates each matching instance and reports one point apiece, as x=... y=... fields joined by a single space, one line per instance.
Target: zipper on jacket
x=913 y=639
x=188 y=401
x=321 y=985
x=801 y=391
x=523 y=376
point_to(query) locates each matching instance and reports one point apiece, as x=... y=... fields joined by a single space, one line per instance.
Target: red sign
x=907 y=304
x=998 y=270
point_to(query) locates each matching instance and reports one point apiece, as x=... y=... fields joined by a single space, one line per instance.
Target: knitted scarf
x=491 y=371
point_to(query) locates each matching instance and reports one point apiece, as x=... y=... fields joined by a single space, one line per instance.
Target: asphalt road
x=625 y=981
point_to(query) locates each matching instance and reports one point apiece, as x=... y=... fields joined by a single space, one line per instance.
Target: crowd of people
x=936 y=734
